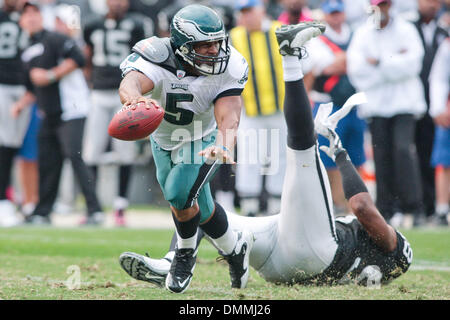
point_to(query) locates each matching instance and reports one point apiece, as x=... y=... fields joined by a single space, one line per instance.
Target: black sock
x=218 y=224
x=6 y=163
x=298 y=114
x=124 y=178
x=187 y=229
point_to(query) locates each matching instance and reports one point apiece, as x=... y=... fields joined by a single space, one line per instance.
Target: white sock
x=169 y=255
x=189 y=243
x=442 y=209
x=227 y=242
x=292 y=68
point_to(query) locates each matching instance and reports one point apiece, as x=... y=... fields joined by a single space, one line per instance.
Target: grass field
x=34 y=263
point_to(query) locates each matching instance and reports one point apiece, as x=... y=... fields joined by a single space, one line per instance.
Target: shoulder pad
x=153 y=49
x=237 y=66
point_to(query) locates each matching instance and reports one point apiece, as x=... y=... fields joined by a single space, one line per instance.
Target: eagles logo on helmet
x=196 y=24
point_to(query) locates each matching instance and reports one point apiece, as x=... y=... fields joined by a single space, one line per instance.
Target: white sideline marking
x=430 y=268
x=421 y=265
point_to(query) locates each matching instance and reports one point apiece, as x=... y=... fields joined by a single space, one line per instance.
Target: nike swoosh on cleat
x=148 y=275
x=183 y=283
x=283 y=43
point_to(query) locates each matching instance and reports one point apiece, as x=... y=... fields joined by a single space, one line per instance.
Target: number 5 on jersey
x=175 y=115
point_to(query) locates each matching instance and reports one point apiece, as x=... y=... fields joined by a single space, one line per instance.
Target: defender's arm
x=358 y=197
x=362 y=205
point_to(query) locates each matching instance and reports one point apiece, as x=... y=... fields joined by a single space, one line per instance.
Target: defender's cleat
x=145 y=268
x=238 y=260
x=291 y=38
x=181 y=270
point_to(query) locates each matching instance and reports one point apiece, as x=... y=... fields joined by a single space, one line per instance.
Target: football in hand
x=135 y=122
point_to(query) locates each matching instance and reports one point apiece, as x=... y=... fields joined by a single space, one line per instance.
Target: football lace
x=126 y=108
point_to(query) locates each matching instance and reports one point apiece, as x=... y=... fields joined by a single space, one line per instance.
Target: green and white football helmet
x=197 y=23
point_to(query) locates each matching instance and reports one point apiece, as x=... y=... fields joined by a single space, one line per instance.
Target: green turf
x=34 y=264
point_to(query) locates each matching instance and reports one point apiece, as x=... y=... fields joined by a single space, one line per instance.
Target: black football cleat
x=181 y=270
x=238 y=260
x=291 y=38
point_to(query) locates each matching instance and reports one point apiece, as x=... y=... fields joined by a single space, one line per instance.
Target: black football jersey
x=11 y=43
x=111 y=42
x=358 y=259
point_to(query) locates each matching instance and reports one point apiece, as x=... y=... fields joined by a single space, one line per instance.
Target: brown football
x=134 y=124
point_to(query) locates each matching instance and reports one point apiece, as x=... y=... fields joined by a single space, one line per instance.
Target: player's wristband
x=223 y=148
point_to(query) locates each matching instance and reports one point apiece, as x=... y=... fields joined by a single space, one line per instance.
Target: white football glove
x=324 y=121
x=335 y=145
x=325 y=124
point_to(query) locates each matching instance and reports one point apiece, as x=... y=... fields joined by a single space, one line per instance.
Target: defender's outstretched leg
x=297 y=109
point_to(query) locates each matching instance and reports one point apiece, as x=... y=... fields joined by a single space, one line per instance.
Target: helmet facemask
x=206 y=64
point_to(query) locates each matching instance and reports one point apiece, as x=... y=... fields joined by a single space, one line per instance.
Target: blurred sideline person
x=273 y=8
x=432 y=35
x=12 y=80
x=197 y=77
x=331 y=84
x=223 y=8
x=440 y=111
x=150 y=9
x=356 y=12
x=304 y=243
x=28 y=166
x=82 y=9
x=295 y=11
x=384 y=60
x=56 y=82
x=406 y=9
x=261 y=159
x=109 y=40
x=444 y=16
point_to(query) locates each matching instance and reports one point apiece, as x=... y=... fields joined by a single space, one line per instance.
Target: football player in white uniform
x=197 y=77
x=304 y=243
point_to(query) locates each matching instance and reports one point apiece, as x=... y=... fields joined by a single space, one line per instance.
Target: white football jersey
x=188 y=101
